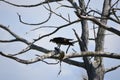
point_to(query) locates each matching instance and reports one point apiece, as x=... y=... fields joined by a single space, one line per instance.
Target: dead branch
x=22 y=51
x=114 y=13
x=94 y=54
x=111 y=29
x=74 y=63
x=41 y=58
x=99 y=13
x=59 y=15
x=87 y=4
x=7 y=41
x=50 y=63
x=61 y=5
x=28 y=6
x=35 y=23
x=14 y=35
x=114 y=4
x=32 y=46
x=60 y=27
x=112 y=69
x=79 y=40
x=42 y=27
x=94 y=31
x=66 y=58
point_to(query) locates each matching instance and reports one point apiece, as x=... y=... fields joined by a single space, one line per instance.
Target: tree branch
x=59 y=15
x=14 y=35
x=22 y=51
x=79 y=41
x=112 y=69
x=66 y=59
x=32 y=46
x=28 y=6
x=60 y=27
x=94 y=54
x=99 y=13
x=36 y=23
x=111 y=29
x=75 y=63
x=39 y=58
x=50 y=55
x=38 y=48
x=7 y=41
x=114 y=4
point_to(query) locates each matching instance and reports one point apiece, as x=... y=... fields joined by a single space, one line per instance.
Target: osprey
x=62 y=41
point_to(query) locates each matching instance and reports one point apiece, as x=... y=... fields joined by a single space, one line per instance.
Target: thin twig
x=60 y=27
x=60 y=69
x=79 y=40
x=22 y=51
x=112 y=69
x=6 y=41
x=67 y=49
x=14 y=34
x=35 y=23
x=87 y=4
x=94 y=29
x=28 y=6
x=56 y=14
x=114 y=4
x=50 y=63
x=114 y=13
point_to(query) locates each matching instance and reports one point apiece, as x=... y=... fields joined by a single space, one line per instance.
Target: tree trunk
x=98 y=62
x=85 y=37
x=94 y=70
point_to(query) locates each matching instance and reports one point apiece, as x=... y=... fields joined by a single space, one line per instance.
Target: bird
x=62 y=41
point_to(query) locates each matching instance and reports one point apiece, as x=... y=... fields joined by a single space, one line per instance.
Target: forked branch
x=111 y=29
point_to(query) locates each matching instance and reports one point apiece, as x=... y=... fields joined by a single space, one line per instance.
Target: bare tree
x=83 y=13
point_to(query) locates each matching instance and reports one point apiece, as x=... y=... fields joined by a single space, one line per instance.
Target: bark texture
x=98 y=64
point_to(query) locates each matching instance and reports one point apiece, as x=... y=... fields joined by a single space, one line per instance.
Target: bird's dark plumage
x=62 y=41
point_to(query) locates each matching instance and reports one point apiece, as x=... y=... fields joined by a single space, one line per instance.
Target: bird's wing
x=65 y=38
x=70 y=39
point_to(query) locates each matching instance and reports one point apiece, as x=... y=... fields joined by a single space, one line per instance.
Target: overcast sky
x=12 y=70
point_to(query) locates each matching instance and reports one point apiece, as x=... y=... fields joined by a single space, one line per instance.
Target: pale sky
x=12 y=70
